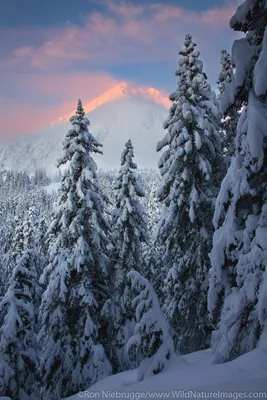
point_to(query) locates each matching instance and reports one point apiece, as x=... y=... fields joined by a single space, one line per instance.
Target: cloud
x=125 y=32
x=23 y=51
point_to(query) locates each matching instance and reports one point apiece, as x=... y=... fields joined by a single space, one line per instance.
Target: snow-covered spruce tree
x=72 y=358
x=238 y=278
x=18 y=338
x=129 y=220
x=129 y=227
x=190 y=168
x=151 y=342
x=230 y=114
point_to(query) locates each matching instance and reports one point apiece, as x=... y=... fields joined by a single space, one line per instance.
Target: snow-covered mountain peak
x=120 y=91
x=122 y=113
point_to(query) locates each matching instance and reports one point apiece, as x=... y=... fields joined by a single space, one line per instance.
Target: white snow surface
x=123 y=113
x=193 y=372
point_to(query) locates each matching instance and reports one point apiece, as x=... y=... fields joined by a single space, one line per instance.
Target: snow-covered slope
x=188 y=377
x=121 y=113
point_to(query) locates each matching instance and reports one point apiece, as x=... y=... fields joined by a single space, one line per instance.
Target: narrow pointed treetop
x=129 y=219
x=130 y=211
x=128 y=155
x=192 y=139
x=79 y=142
x=80 y=111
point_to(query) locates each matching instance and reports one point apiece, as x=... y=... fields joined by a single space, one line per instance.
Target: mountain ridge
x=122 y=113
x=116 y=92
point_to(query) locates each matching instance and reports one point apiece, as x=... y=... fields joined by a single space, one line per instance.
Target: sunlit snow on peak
x=123 y=112
x=121 y=90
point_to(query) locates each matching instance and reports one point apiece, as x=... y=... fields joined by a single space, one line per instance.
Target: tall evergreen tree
x=238 y=282
x=18 y=338
x=72 y=358
x=129 y=219
x=190 y=170
x=129 y=232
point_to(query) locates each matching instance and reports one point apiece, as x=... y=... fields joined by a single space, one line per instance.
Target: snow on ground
x=245 y=377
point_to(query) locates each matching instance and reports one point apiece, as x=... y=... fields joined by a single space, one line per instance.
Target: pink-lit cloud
x=24 y=51
x=129 y=32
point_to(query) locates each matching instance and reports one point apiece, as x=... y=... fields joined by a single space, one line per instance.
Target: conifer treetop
x=192 y=131
x=128 y=155
x=189 y=66
x=79 y=142
x=130 y=184
x=129 y=219
x=80 y=111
